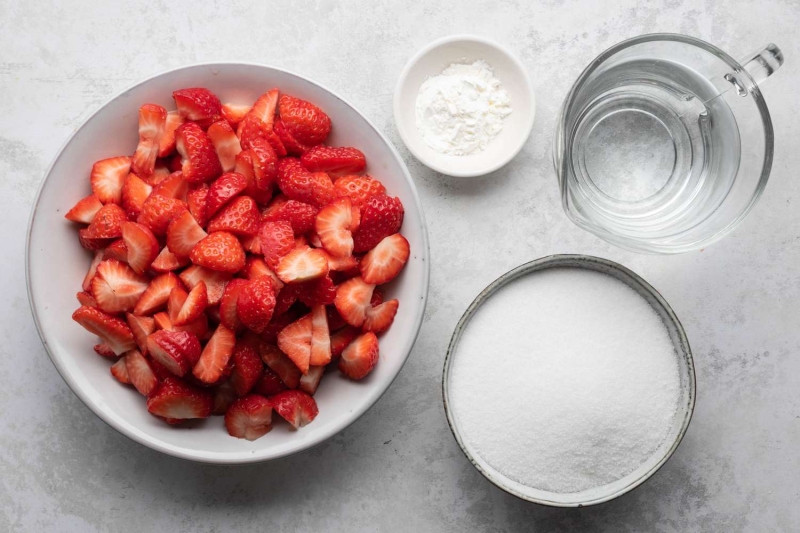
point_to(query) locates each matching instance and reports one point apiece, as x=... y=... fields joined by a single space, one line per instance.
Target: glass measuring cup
x=664 y=143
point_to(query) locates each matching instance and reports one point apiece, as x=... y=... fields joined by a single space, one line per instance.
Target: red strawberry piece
x=227 y=307
x=226 y=144
x=194 y=305
x=320 y=337
x=107 y=223
x=240 y=217
x=277 y=240
x=256 y=268
x=283 y=301
x=302 y=264
x=199 y=161
x=382 y=216
x=222 y=190
x=183 y=234
x=116 y=287
x=244 y=166
x=265 y=165
x=260 y=118
x=178 y=351
x=134 y=194
x=198 y=104
x=295 y=341
x=158 y=211
x=198 y=327
x=167 y=261
x=141 y=327
x=335 y=320
x=162 y=321
x=114 y=332
x=104 y=350
x=247 y=368
x=117 y=250
x=347 y=264
x=358 y=188
x=91 y=244
x=299 y=184
x=334 y=160
x=290 y=144
x=224 y=396
x=333 y=227
x=216 y=354
x=276 y=143
x=360 y=356
x=167 y=143
x=342 y=339
x=250 y=243
x=85 y=210
x=173 y=186
x=108 y=176
x=300 y=215
x=249 y=417
x=152 y=124
x=177 y=399
x=320 y=291
x=384 y=262
x=307 y=123
x=177 y=297
x=86 y=298
x=234 y=113
x=160 y=172
x=296 y=407
x=142 y=246
x=156 y=294
x=256 y=304
x=215 y=281
x=197 y=201
x=269 y=383
x=140 y=373
x=120 y=371
x=279 y=362
x=353 y=299
x=87 y=279
x=310 y=382
x=220 y=251
x=380 y=317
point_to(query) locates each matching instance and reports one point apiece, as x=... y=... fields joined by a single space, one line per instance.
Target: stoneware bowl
x=56 y=265
x=431 y=61
x=685 y=408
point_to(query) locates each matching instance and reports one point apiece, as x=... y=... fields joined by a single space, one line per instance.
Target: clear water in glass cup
x=665 y=142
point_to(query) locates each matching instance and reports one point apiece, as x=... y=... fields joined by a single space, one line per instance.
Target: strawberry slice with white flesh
x=215 y=356
x=178 y=351
x=84 y=211
x=295 y=341
x=178 y=400
x=384 y=262
x=226 y=144
x=215 y=281
x=234 y=113
x=195 y=305
x=140 y=372
x=87 y=279
x=116 y=287
x=156 y=294
x=280 y=363
x=353 y=299
x=183 y=233
x=302 y=264
x=114 y=331
x=167 y=144
x=333 y=225
x=152 y=124
x=249 y=418
x=141 y=327
x=320 y=337
x=120 y=371
x=296 y=407
x=310 y=382
x=380 y=317
x=108 y=176
x=360 y=357
x=141 y=244
x=167 y=261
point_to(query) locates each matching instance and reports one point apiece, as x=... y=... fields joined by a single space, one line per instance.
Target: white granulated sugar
x=460 y=111
x=565 y=380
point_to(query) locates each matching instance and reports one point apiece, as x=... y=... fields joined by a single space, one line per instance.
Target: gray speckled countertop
x=398 y=468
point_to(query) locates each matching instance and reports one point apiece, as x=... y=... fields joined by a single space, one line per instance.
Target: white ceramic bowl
x=56 y=265
x=431 y=61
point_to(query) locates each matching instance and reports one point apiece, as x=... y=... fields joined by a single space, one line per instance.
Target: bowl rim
x=244 y=457
x=596 y=264
x=524 y=76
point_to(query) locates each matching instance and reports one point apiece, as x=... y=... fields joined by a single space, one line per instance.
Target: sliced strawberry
x=247 y=368
x=334 y=160
x=107 y=223
x=224 y=396
x=320 y=337
x=277 y=240
x=358 y=188
x=198 y=327
x=179 y=400
x=173 y=186
x=215 y=281
x=117 y=250
x=220 y=251
x=197 y=203
x=158 y=211
x=240 y=217
x=269 y=383
x=215 y=356
x=199 y=161
x=360 y=357
x=310 y=382
x=382 y=216
x=116 y=287
x=296 y=407
x=87 y=279
x=86 y=298
x=227 y=306
x=244 y=166
x=261 y=116
x=384 y=262
x=276 y=143
x=342 y=339
x=302 y=264
x=300 y=215
x=280 y=363
x=335 y=320
x=265 y=163
x=295 y=341
x=234 y=113
x=85 y=210
x=141 y=327
x=222 y=190
x=142 y=246
x=307 y=123
x=290 y=144
x=256 y=304
x=156 y=294
x=120 y=371
x=198 y=104
x=114 y=332
x=162 y=321
x=108 y=176
x=320 y=291
x=91 y=244
x=285 y=298
x=177 y=297
x=333 y=227
x=152 y=124
x=343 y=264
x=194 y=305
x=140 y=373
x=249 y=417
x=167 y=261
x=226 y=144
x=178 y=351
x=353 y=299
x=104 y=350
x=250 y=243
x=160 y=172
x=299 y=184
x=380 y=317
x=256 y=268
x=167 y=143
x=134 y=194
x=183 y=234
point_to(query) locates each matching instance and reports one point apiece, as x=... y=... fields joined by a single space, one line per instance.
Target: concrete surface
x=398 y=468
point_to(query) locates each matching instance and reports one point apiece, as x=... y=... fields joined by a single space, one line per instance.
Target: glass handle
x=762 y=63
